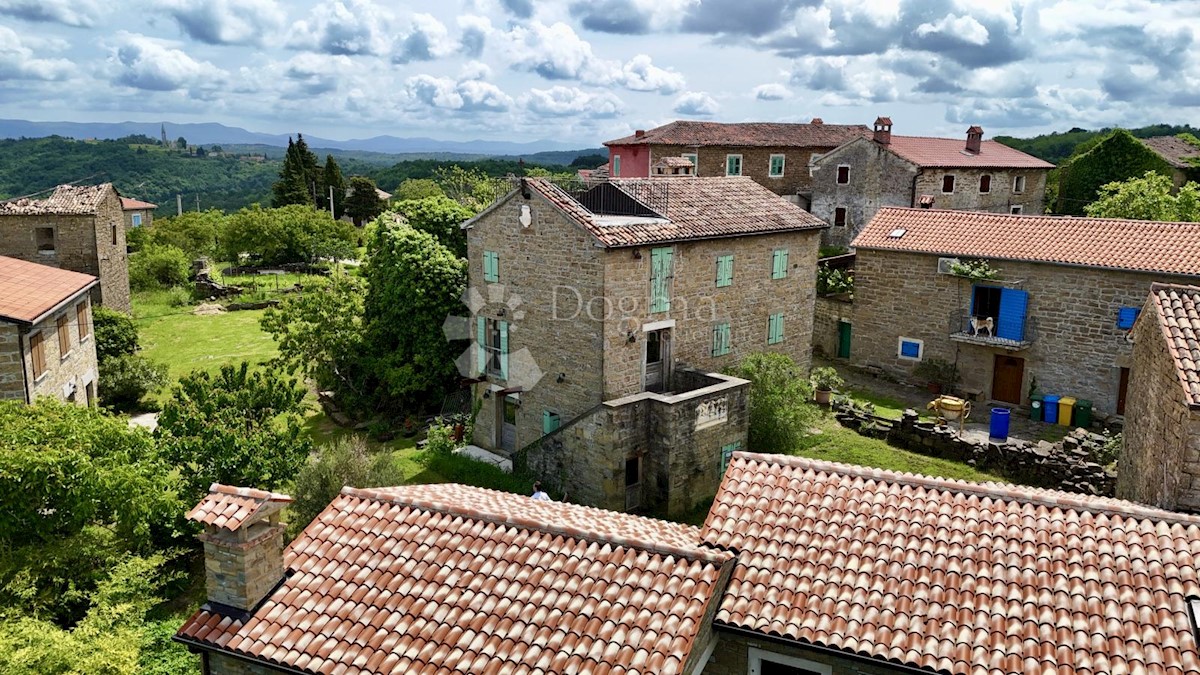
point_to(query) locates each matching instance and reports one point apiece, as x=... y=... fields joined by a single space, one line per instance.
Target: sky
x=586 y=71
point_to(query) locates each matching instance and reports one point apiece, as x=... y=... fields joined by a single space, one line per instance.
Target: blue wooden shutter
x=504 y=350
x=480 y=341
x=660 y=279
x=1126 y=316
x=1012 y=314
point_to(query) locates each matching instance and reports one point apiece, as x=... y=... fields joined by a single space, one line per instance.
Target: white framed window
x=775 y=167
x=616 y=166
x=136 y=219
x=910 y=349
x=733 y=165
x=948 y=183
x=791 y=664
x=1018 y=184
x=843 y=174
x=695 y=160
x=1016 y=209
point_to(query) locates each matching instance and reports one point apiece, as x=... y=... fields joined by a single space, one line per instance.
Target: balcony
x=1013 y=334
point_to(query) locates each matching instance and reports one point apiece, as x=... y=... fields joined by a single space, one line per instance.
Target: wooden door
x=843 y=350
x=1122 y=389
x=658 y=347
x=508 y=423
x=1007 y=374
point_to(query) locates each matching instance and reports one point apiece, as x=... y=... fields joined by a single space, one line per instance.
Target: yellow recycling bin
x=1066 y=406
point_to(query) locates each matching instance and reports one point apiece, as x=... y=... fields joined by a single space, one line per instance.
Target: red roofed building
x=853 y=181
x=46 y=345
x=137 y=213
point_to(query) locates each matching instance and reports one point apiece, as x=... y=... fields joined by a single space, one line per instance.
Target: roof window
x=897 y=233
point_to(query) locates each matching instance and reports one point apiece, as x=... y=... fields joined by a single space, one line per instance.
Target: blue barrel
x=1050 y=410
x=998 y=428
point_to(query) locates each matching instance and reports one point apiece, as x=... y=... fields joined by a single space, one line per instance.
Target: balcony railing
x=993 y=331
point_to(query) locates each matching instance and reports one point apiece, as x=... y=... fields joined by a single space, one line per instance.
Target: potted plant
x=410 y=426
x=824 y=380
x=939 y=375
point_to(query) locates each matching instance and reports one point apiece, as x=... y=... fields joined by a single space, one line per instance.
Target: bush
x=439 y=437
x=178 y=296
x=127 y=379
x=115 y=333
x=158 y=267
x=779 y=414
x=338 y=464
x=833 y=281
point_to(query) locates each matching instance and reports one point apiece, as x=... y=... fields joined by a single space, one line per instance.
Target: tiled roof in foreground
x=1179 y=316
x=29 y=290
x=450 y=578
x=1136 y=245
x=955 y=577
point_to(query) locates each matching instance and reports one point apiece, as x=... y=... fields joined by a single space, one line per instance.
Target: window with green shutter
x=660 y=279
x=720 y=345
x=724 y=270
x=779 y=263
x=733 y=165
x=727 y=451
x=616 y=166
x=493 y=346
x=491 y=266
x=550 y=422
x=776 y=168
x=775 y=328
x=695 y=160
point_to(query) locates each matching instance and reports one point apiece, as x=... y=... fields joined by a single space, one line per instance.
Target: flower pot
x=457 y=433
x=822 y=396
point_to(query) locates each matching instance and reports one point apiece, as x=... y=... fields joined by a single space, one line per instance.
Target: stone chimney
x=883 y=130
x=817 y=120
x=639 y=133
x=974 y=139
x=243 y=544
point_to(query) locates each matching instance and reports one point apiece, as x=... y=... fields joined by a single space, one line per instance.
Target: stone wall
x=756 y=163
x=146 y=214
x=112 y=254
x=734 y=652
x=999 y=199
x=67 y=376
x=827 y=313
x=12 y=365
x=1077 y=350
x=240 y=572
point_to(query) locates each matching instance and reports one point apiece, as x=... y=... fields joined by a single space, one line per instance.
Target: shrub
x=127 y=379
x=178 y=296
x=779 y=414
x=825 y=379
x=338 y=464
x=439 y=437
x=832 y=281
x=115 y=333
x=974 y=269
x=158 y=267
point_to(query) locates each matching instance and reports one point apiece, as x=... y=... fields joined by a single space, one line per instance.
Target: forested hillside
x=1058 y=146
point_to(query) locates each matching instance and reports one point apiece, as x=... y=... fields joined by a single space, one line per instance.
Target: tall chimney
x=243 y=544
x=817 y=120
x=639 y=133
x=883 y=130
x=974 y=139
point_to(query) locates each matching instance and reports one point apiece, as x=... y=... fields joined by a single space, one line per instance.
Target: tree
x=289 y=234
x=181 y=143
x=158 y=267
x=441 y=217
x=193 y=232
x=1147 y=198
x=296 y=176
x=779 y=414
x=470 y=187
x=418 y=188
x=116 y=335
x=235 y=427
x=363 y=202
x=125 y=377
x=334 y=183
x=334 y=466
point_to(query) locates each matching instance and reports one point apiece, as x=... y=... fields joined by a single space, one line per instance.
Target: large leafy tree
x=289 y=234
x=193 y=232
x=470 y=187
x=439 y=216
x=332 y=182
x=363 y=202
x=1148 y=198
x=126 y=377
x=779 y=413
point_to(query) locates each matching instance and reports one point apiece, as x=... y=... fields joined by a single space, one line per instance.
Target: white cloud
x=964 y=28
x=426 y=39
x=17 y=60
x=771 y=92
x=475 y=32
x=640 y=74
x=147 y=63
x=228 y=22
x=78 y=13
x=555 y=52
x=316 y=74
x=461 y=95
x=559 y=101
x=696 y=103
x=346 y=27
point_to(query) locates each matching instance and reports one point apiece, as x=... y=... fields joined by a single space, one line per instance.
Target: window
x=775 y=170
x=948 y=183
x=64 y=336
x=1126 y=316
x=1018 y=184
x=733 y=165
x=81 y=319
x=491 y=267
x=136 y=219
x=763 y=662
x=985 y=183
x=727 y=451
x=1016 y=209
x=633 y=483
x=1005 y=307
x=492 y=346
x=839 y=216
x=44 y=238
x=720 y=344
x=37 y=350
x=616 y=166
x=779 y=263
x=550 y=422
x=114 y=234
x=775 y=329
x=724 y=271
x=695 y=159
x=910 y=349
x=660 y=279
x=843 y=174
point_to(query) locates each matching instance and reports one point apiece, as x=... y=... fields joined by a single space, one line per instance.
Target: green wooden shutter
x=727 y=451
x=491 y=266
x=480 y=341
x=660 y=280
x=550 y=422
x=779 y=263
x=775 y=328
x=721 y=339
x=504 y=350
x=724 y=271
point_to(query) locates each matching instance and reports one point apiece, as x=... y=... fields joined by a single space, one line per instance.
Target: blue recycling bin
x=998 y=426
x=1050 y=410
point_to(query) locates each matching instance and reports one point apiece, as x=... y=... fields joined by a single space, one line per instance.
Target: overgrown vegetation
x=1148 y=197
x=126 y=377
x=1058 y=146
x=779 y=412
x=834 y=281
x=975 y=269
x=1115 y=157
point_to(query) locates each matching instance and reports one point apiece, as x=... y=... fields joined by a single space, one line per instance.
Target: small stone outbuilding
x=137 y=213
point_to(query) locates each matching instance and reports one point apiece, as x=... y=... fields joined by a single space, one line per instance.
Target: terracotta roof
x=1138 y=245
x=1175 y=151
x=955 y=577
x=128 y=204
x=696 y=208
x=29 y=290
x=1179 y=314
x=952 y=153
x=228 y=506
x=450 y=578
x=671 y=161
x=774 y=134
x=67 y=200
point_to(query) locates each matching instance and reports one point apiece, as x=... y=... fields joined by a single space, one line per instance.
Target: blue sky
x=586 y=71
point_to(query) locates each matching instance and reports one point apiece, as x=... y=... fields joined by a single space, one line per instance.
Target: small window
x=720 y=341
x=910 y=349
x=493 y=346
x=775 y=170
x=948 y=183
x=695 y=160
x=491 y=267
x=779 y=263
x=763 y=662
x=839 y=216
x=633 y=471
x=724 y=271
x=44 y=238
x=64 y=336
x=81 y=320
x=37 y=350
x=733 y=165
x=550 y=422
x=1016 y=209
x=985 y=183
x=727 y=451
x=843 y=174
x=775 y=329
x=1018 y=184
x=616 y=166
x=1126 y=316
x=114 y=234
x=136 y=219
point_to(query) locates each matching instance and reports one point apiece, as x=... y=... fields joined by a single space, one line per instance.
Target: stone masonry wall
x=756 y=163
x=697 y=305
x=112 y=255
x=732 y=657
x=12 y=365
x=73 y=370
x=999 y=199
x=240 y=573
x=877 y=178
x=1077 y=350
x=146 y=214
x=691 y=454
x=827 y=313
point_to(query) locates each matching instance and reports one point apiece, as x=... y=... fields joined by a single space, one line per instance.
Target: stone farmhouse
x=1160 y=458
x=802 y=567
x=853 y=181
x=774 y=155
x=1059 y=312
x=137 y=213
x=79 y=228
x=1182 y=157
x=46 y=346
x=603 y=313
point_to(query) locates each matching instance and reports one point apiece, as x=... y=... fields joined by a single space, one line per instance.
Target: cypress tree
x=332 y=178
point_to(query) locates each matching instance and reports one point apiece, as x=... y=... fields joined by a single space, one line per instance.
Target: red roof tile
x=955 y=577
x=228 y=506
x=1175 y=151
x=450 y=578
x=1139 y=245
x=29 y=290
x=67 y=200
x=952 y=153
x=136 y=204
x=1178 y=309
x=774 y=134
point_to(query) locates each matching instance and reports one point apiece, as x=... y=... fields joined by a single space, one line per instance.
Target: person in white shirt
x=539 y=494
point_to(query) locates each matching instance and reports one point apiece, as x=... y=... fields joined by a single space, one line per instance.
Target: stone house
x=801 y=567
x=1057 y=316
x=1181 y=156
x=775 y=155
x=1120 y=156
x=46 y=345
x=1160 y=457
x=602 y=315
x=853 y=181
x=78 y=228
x=137 y=213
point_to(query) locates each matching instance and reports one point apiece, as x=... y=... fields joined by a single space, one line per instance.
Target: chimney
x=243 y=545
x=639 y=133
x=883 y=130
x=817 y=120
x=974 y=139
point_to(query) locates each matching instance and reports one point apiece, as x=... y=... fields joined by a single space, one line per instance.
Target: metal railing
x=994 y=330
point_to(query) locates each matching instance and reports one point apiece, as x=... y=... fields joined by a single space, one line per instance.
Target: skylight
x=897 y=233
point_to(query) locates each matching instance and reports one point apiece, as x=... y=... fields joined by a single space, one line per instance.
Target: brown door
x=1006 y=379
x=1122 y=389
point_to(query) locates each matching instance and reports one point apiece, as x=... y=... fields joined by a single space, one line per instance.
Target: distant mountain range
x=212 y=133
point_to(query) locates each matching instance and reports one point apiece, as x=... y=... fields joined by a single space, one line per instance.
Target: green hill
x=1058 y=146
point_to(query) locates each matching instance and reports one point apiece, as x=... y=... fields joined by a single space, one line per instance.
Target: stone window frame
x=838 y=178
x=1016 y=209
x=845 y=216
x=985 y=181
x=755 y=656
x=38 y=239
x=948 y=179
x=771 y=165
x=740 y=164
x=1018 y=184
x=694 y=157
x=900 y=349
